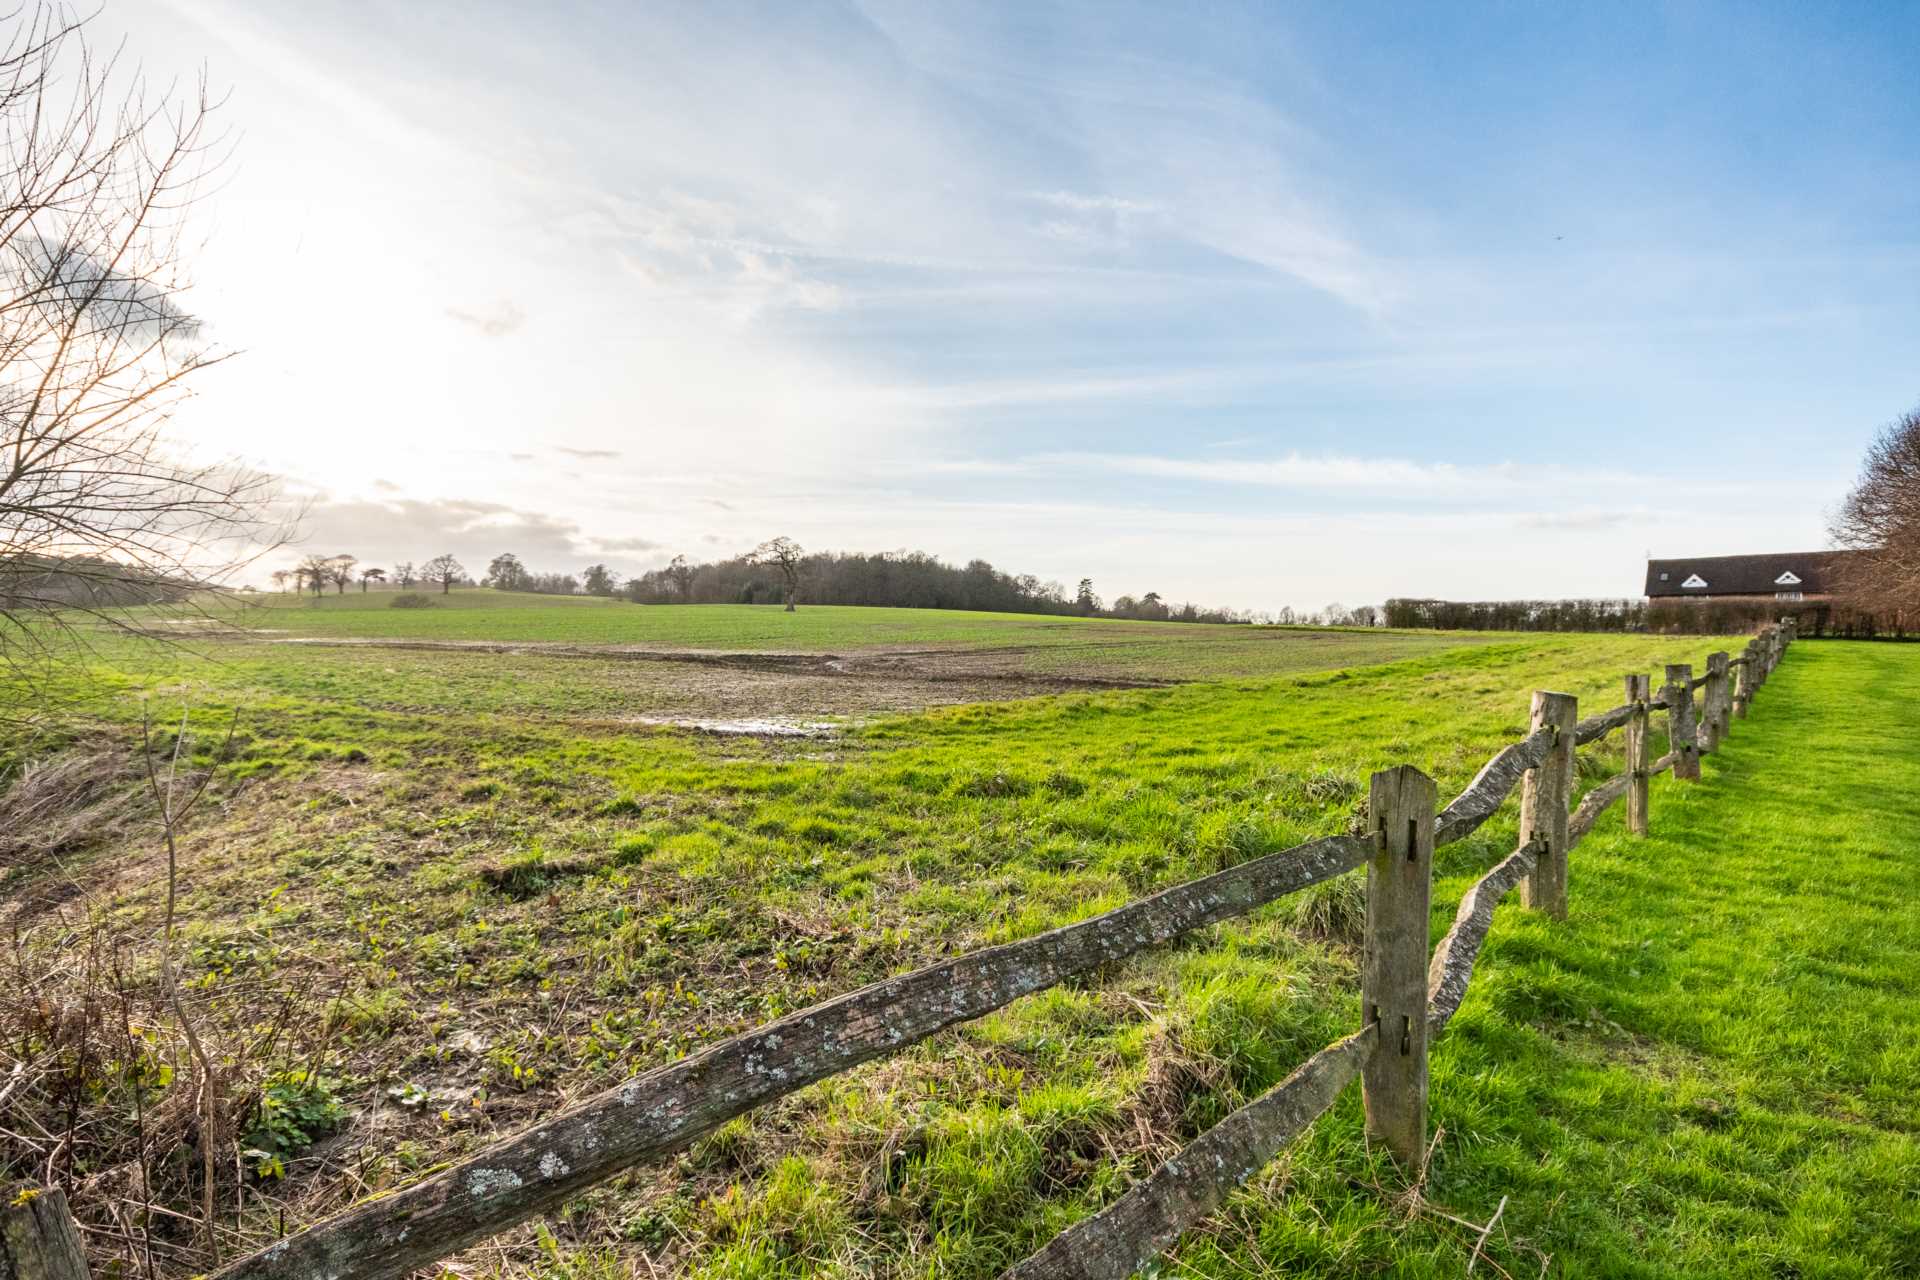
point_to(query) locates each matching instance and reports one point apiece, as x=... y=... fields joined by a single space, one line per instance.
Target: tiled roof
x=1744 y=575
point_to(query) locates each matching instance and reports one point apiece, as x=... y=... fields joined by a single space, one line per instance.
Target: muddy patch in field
x=1002 y=664
x=728 y=693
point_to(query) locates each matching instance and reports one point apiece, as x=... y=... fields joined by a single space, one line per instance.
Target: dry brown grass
x=68 y=799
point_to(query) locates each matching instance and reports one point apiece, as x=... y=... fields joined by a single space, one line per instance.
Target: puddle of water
x=748 y=727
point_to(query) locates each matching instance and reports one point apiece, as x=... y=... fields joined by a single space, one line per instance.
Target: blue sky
x=1257 y=305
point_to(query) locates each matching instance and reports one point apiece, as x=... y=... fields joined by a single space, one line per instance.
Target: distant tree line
x=1693 y=617
x=780 y=572
x=504 y=573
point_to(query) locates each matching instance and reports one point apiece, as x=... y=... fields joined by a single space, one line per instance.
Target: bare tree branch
x=1880 y=518
x=97 y=512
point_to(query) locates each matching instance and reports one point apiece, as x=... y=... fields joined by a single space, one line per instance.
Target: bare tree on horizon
x=315 y=572
x=785 y=555
x=444 y=570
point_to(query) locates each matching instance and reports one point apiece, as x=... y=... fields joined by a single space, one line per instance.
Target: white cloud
x=1093 y=203
x=473 y=532
x=1330 y=473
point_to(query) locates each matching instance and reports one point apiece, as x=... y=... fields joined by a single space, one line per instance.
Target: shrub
x=294 y=1108
x=411 y=600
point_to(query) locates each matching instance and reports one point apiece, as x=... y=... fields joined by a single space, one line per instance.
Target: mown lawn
x=1707 y=1070
x=1710 y=1069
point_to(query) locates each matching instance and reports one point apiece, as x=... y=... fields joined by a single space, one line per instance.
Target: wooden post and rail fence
x=1409 y=991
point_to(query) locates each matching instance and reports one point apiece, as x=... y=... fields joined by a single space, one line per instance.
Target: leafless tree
x=444 y=570
x=785 y=555
x=280 y=577
x=316 y=572
x=340 y=572
x=98 y=170
x=403 y=573
x=1880 y=518
x=680 y=573
x=371 y=575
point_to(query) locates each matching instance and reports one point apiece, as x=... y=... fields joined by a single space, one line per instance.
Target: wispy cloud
x=496 y=321
x=472 y=531
x=1406 y=480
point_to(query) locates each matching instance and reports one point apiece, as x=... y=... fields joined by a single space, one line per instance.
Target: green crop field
x=450 y=890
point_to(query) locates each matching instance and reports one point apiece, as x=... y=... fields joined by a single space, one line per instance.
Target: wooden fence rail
x=1408 y=995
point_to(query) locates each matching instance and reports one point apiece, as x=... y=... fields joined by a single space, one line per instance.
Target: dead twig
x=170 y=819
x=1485 y=1231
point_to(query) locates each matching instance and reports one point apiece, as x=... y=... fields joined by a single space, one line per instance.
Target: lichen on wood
x=1452 y=965
x=1490 y=787
x=1157 y=1210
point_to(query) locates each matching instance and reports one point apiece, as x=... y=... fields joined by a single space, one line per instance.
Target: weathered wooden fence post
x=1400 y=803
x=39 y=1241
x=1743 y=683
x=1681 y=730
x=1639 y=690
x=1543 y=804
x=1713 y=703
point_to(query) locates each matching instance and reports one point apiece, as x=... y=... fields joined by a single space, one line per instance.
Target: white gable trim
x=1787 y=579
x=1695 y=581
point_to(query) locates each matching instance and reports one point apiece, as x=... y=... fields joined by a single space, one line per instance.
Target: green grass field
x=480 y=613
x=492 y=901
x=1088 y=646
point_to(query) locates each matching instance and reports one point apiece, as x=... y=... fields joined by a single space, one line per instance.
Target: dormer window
x=1694 y=581
x=1787 y=579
